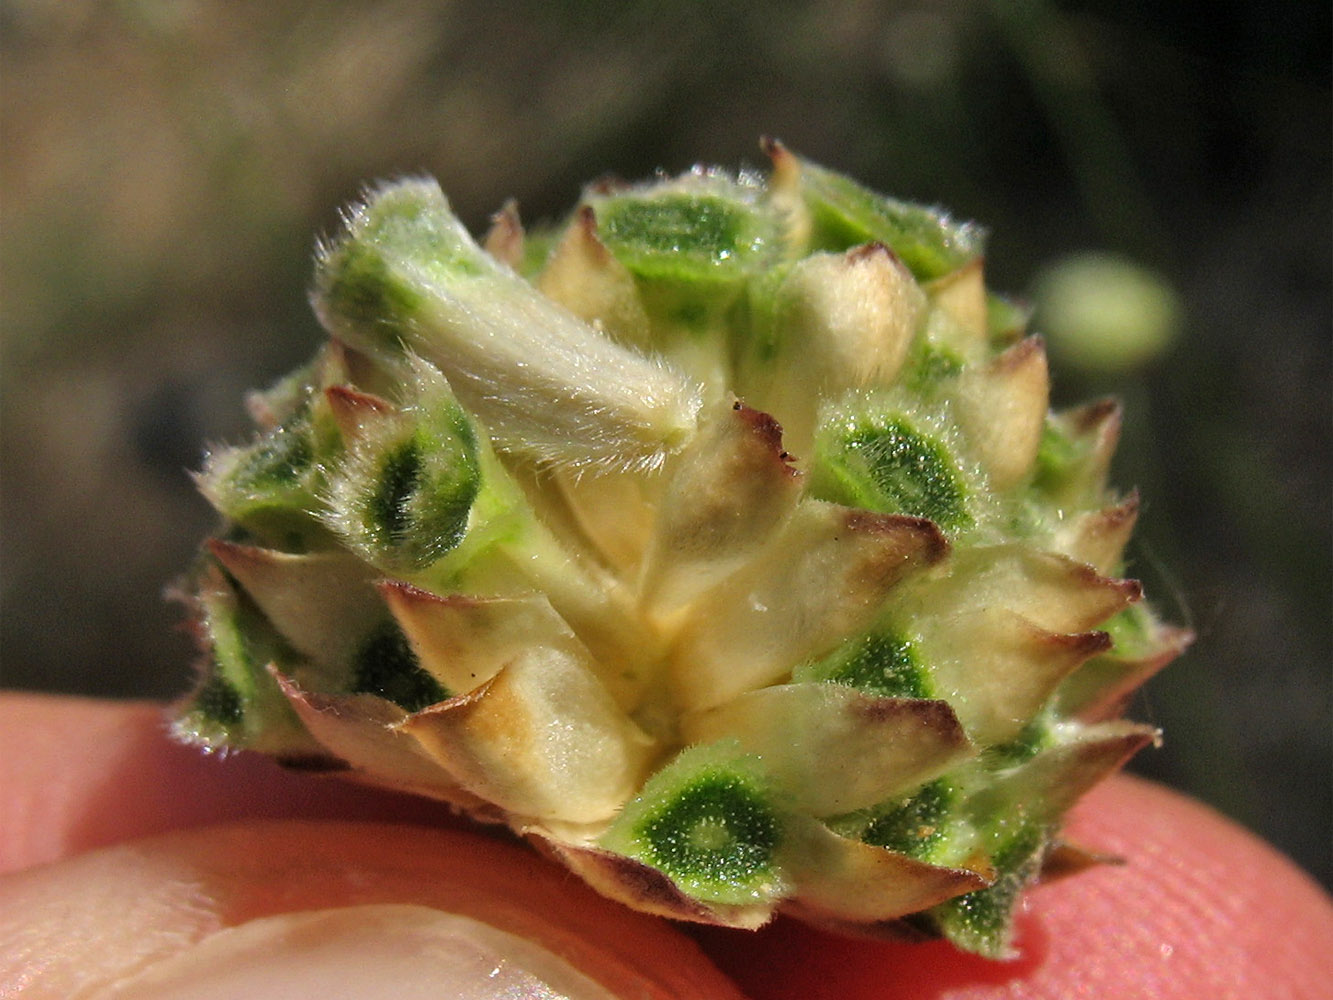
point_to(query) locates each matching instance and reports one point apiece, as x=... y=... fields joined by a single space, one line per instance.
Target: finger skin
x=1199 y=909
x=94 y=918
x=79 y=773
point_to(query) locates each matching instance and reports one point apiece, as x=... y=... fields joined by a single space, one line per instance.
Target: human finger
x=278 y=908
x=1198 y=908
x=79 y=773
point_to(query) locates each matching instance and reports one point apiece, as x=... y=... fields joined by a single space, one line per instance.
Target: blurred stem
x=1062 y=79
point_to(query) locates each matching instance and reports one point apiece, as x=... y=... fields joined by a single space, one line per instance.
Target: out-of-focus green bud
x=1106 y=314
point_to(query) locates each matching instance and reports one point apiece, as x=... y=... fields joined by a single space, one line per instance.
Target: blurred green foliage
x=164 y=164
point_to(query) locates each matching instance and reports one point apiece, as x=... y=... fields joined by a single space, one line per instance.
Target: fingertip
x=79 y=773
x=1199 y=908
x=196 y=903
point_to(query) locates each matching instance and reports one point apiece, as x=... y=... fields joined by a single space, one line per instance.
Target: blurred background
x=166 y=164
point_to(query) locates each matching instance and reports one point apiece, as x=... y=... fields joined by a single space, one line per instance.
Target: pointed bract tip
x=1097 y=414
x=931 y=545
x=505 y=239
x=870 y=251
x=786 y=166
x=1023 y=352
x=1079 y=645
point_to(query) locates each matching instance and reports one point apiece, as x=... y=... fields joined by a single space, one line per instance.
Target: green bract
x=719 y=541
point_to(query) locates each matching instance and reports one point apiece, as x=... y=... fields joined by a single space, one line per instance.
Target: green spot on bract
x=1031 y=739
x=980 y=921
x=271 y=485
x=888 y=466
x=1006 y=319
x=372 y=279
x=717 y=829
x=691 y=314
x=399 y=478
x=932 y=366
x=845 y=215
x=982 y=917
x=679 y=224
x=276 y=461
x=362 y=288
x=273 y=467
x=239 y=703
x=880 y=663
x=1131 y=631
x=386 y=666
x=218 y=701
x=408 y=499
x=1057 y=456
x=915 y=824
x=681 y=236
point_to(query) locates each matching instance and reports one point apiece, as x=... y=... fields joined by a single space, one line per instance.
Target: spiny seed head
x=720 y=541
